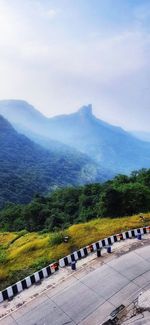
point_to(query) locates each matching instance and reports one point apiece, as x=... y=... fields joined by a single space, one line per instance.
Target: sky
x=62 y=54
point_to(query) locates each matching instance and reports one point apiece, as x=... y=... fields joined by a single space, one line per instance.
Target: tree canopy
x=124 y=195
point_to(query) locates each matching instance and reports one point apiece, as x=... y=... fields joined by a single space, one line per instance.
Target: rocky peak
x=86 y=110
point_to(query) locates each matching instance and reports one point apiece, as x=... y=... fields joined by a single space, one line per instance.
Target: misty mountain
x=26 y=168
x=110 y=146
x=30 y=122
x=23 y=116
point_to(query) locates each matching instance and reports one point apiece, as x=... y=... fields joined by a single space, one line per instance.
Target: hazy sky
x=61 y=54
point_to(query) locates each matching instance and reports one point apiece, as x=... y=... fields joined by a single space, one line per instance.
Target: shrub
x=57 y=238
x=41 y=262
x=3 y=256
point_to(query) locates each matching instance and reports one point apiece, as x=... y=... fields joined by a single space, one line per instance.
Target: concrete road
x=88 y=299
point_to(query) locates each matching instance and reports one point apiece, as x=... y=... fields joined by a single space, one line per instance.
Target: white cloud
x=105 y=59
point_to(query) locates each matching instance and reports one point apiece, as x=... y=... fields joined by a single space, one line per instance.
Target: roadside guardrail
x=37 y=277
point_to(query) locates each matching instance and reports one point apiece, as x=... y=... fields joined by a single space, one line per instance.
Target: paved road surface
x=88 y=299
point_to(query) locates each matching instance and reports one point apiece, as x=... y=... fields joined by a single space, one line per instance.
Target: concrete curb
x=38 y=276
x=104 y=243
x=27 y=282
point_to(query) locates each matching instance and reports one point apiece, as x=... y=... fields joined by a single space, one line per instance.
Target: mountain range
x=109 y=146
x=27 y=168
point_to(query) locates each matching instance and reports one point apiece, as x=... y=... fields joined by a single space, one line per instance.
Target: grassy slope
x=22 y=253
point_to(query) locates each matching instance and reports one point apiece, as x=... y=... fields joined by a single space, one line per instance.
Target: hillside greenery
x=124 y=195
x=26 y=168
x=22 y=253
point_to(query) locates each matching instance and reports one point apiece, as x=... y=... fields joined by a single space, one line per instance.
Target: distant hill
x=108 y=145
x=26 y=168
x=24 y=116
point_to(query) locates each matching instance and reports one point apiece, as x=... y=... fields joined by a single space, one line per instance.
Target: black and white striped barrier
x=104 y=243
x=36 y=277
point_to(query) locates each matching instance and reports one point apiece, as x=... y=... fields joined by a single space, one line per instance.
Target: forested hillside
x=116 y=198
x=26 y=168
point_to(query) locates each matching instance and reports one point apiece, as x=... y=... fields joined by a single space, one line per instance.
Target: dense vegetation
x=124 y=195
x=23 y=253
x=27 y=169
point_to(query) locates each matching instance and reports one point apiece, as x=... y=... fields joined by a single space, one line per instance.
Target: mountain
x=23 y=116
x=110 y=146
x=26 y=168
x=29 y=121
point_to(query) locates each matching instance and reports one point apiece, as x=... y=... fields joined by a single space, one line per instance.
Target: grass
x=23 y=253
